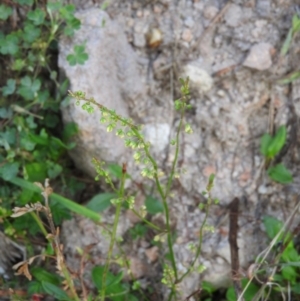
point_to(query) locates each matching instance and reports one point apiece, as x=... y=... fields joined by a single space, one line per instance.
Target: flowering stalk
x=134 y=139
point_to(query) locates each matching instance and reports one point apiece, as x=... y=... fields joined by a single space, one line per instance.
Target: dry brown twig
x=53 y=237
x=234 y=250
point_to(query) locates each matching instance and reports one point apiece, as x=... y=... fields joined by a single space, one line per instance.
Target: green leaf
x=116 y=279
x=31 y=33
x=100 y=201
x=37 y=16
x=79 y=56
x=67 y=11
x=54 y=169
x=72 y=25
x=25 y=196
x=97 y=274
x=53 y=75
x=70 y=130
x=272 y=225
x=112 y=281
x=287 y=43
x=63 y=88
x=277 y=142
x=271 y=146
x=26 y=143
x=39 y=139
x=295 y=23
x=280 y=174
x=59 y=213
x=296 y=289
x=5 y=12
x=264 y=144
x=290 y=254
x=35 y=172
x=35 y=287
x=139 y=230
x=9 y=88
x=5 y=113
x=55 y=291
x=104 y=5
x=208 y=287
x=9 y=170
x=18 y=64
x=153 y=205
x=30 y=122
x=42 y=275
x=43 y=96
x=27 y=222
x=58 y=142
x=82 y=58
x=116 y=171
x=230 y=294
x=251 y=290
x=9 y=137
x=289 y=273
x=249 y=293
x=28 y=88
x=9 y=45
x=71 y=58
x=289 y=79
x=53 y=6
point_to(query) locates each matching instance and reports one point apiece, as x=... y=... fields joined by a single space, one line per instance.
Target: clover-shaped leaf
x=79 y=56
x=36 y=16
x=9 y=88
x=72 y=25
x=29 y=88
x=5 y=12
x=9 y=44
x=67 y=11
x=9 y=170
x=31 y=33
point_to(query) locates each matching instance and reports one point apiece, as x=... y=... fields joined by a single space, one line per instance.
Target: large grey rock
x=109 y=75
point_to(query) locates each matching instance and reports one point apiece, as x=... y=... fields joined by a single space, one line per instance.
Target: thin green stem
x=113 y=236
x=170 y=180
x=199 y=248
x=151 y=225
x=39 y=222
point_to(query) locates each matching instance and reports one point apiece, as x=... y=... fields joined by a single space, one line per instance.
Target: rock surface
x=236 y=47
x=110 y=75
x=259 y=57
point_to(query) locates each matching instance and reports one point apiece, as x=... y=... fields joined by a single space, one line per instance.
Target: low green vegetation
x=270 y=147
x=276 y=273
x=33 y=150
x=30 y=99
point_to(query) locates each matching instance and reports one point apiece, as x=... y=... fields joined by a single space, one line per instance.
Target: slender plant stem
x=151 y=225
x=39 y=222
x=176 y=154
x=113 y=236
x=199 y=248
